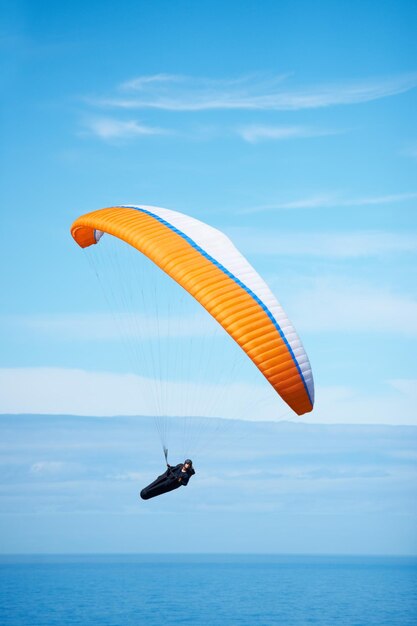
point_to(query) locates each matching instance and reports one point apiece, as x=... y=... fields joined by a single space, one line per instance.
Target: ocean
x=245 y=590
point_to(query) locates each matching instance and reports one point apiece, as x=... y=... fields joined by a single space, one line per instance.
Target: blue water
x=209 y=590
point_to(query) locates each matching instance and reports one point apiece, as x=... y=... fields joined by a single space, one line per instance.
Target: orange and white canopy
x=205 y=262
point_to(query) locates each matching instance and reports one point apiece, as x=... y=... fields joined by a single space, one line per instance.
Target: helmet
x=188 y=462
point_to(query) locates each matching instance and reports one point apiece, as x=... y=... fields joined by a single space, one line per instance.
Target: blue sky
x=268 y=488
x=289 y=126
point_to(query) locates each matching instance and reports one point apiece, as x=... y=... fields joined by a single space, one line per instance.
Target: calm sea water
x=209 y=590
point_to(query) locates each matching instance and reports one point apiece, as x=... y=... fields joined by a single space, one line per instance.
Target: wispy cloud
x=141 y=82
x=79 y=392
x=411 y=152
x=46 y=468
x=328 y=245
x=109 y=129
x=103 y=326
x=384 y=199
x=393 y=404
x=335 y=305
x=135 y=477
x=254 y=133
x=331 y=200
x=183 y=93
x=51 y=391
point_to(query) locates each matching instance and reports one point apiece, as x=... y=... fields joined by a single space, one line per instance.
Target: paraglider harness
x=169 y=480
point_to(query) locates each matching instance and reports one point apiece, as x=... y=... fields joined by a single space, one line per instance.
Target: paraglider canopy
x=207 y=265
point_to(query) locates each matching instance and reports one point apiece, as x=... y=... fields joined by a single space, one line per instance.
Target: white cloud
x=182 y=93
x=408 y=387
x=375 y=200
x=331 y=201
x=77 y=392
x=394 y=405
x=139 y=83
x=410 y=151
x=330 y=245
x=337 y=305
x=110 y=129
x=128 y=477
x=102 y=326
x=47 y=468
x=254 y=133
